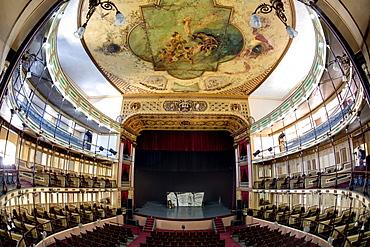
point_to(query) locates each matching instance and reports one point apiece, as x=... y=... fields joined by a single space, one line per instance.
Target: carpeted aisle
x=229 y=241
x=141 y=238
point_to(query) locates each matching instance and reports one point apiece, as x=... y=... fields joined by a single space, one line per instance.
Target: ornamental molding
x=185 y=106
x=199 y=122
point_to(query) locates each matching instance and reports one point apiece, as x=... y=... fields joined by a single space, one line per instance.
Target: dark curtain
x=149 y=160
x=127 y=147
x=182 y=161
x=125 y=172
x=245 y=198
x=124 y=197
x=185 y=140
x=153 y=186
x=244 y=174
x=243 y=148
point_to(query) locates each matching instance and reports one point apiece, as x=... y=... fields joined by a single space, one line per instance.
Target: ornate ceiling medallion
x=186 y=38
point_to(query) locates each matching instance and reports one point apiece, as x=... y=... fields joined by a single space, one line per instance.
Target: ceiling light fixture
x=340 y=62
x=265 y=8
x=107 y=5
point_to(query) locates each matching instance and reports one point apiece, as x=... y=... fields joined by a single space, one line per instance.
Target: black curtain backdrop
x=177 y=161
x=160 y=170
x=185 y=140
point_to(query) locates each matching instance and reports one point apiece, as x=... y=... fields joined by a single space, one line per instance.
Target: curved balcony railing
x=329 y=180
x=62 y=81
x=35 y=117
x=307 y=86
x=320 y=130
x=12 y=178
x=338 y=121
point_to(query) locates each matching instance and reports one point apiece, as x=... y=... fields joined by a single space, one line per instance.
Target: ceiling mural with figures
x=186 y=46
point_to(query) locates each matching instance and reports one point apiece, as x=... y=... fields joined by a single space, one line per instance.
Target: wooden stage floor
x=160 y=210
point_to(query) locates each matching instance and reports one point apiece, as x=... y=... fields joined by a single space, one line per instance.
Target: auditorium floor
x=158 y=209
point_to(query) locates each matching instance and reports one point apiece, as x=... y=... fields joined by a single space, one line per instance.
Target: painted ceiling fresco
x=187 y=46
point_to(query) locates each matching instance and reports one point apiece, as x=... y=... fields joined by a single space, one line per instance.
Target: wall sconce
x=107 y=5
x=256 y=153
x=112 y=151
x=265 y=8
x=282 y=135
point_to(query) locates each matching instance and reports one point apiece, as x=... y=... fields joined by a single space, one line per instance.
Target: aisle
x=141 y=238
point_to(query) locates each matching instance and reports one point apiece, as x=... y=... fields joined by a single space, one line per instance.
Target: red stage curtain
x=124 y=195
x=127 y=147
x=243 y=148
x=126 y=168
x=245 y=197
x=125 y=172
x=185 y=141
x=244 y=174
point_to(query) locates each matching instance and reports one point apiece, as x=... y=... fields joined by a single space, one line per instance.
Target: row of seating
x=265 y=237
x=183 y=233
x=184 y=238
x=106 y=236
x=34 y=223
x=345 y=228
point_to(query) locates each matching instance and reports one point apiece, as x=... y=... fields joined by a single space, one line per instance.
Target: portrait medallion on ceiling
x=187 y=46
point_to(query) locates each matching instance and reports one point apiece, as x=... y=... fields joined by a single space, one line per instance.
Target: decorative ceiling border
x=192 y=122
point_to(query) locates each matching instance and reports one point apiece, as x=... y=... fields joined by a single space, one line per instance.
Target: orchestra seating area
x=329 y=223
x=106 y=236
x=256 y=235
x=184 y=238
x=30 y=224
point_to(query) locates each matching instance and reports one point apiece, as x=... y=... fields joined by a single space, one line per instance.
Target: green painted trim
x=62 y=81
x=285 y=106
x=308 y=83
x=297 y=96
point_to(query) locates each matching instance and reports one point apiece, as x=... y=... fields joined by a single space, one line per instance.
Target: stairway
x=218 y=225
x=149 y=225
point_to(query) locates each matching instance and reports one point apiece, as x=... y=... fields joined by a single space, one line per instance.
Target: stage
x=160 y=210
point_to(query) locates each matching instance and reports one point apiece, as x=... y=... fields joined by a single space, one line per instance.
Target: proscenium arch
x=235 y=125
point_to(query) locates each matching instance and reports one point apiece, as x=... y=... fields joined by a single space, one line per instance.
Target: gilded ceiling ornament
x=216 y=83
x=235 y=107
x=135 y=106
x=185 y=105
x=156 y=82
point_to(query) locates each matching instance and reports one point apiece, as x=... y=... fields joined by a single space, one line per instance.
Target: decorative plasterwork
x=238 y=59
x=199 y=122
x=185 y=106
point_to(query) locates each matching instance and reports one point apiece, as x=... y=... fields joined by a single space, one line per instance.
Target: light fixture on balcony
x=113 y=151
x=340 y=62
x=107 y=5
x=256 y=153
x=265 y=8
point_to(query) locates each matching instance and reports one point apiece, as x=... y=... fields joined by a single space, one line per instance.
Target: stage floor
x=160 y=210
